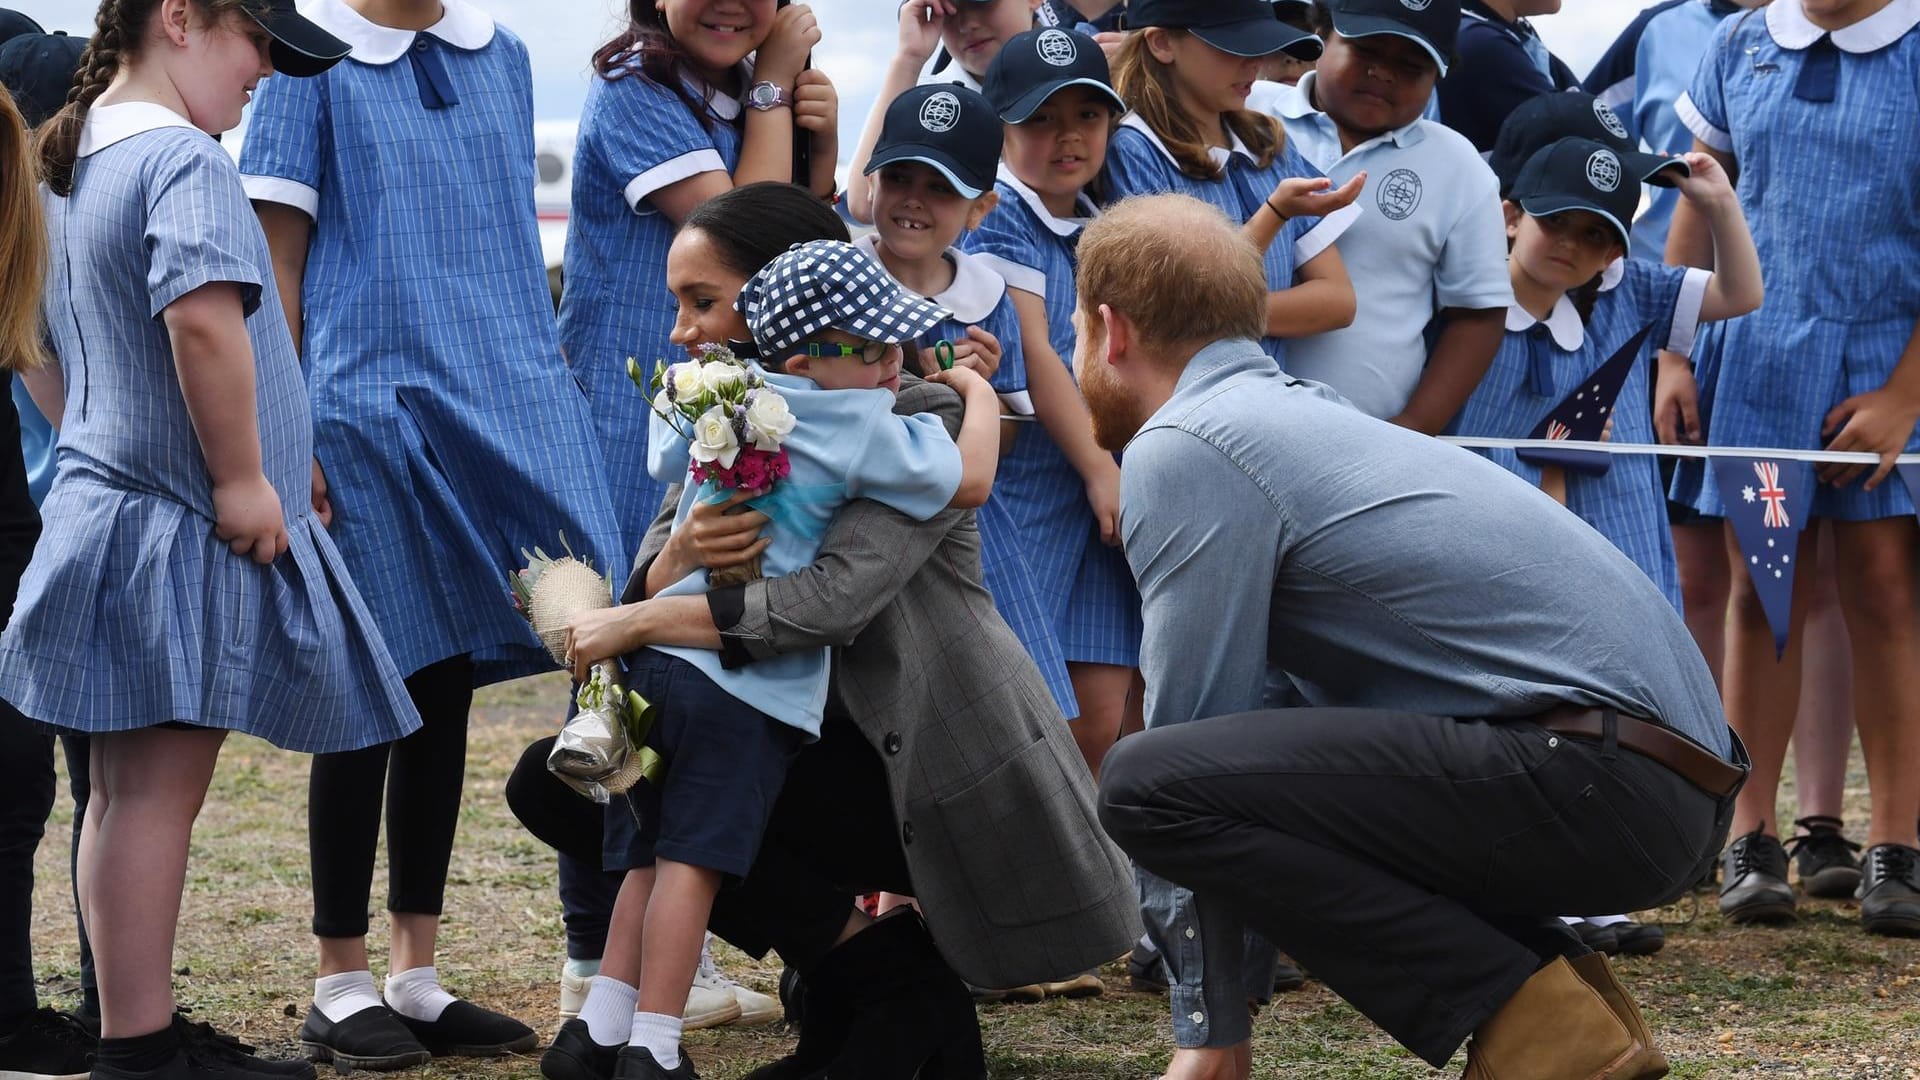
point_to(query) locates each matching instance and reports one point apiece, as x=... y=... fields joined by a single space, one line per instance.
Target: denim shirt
x=1268 y=522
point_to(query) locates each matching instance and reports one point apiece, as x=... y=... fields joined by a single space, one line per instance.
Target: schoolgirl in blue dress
x=397 y=190
x=185 y=585
x=1061 y=490
x=1196 y=60
x=1577 y=301
x=677 y=112
x=1803 y=98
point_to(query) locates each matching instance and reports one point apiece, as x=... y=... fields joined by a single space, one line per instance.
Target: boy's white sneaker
x=573 y=990
x=754 y=1008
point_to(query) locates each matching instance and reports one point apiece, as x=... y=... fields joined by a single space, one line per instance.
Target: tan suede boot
x=1595 y=971
x=1555 y=1027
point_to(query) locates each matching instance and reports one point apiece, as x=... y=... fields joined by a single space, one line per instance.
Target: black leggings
x=423 y=774
x=27 y=781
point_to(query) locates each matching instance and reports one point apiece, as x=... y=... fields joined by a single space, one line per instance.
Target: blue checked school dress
x=1138 y=163
x=1832 y=191
x=132 y=612
x=1084 y=586
x=978 y=297
x=636 y=137
x=1542 y=362
x=451 y=431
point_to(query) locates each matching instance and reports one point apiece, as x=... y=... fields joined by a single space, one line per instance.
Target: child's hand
x=1676 y=401
x=783 y=55
x=966 y=381
x=1301 y=197
x=1103 y=495
x=1709 y=181
x=322 y=505
x=921 y=22
x=1877 y=422
x=247 y=515
x=979 y=351
x=816 y=104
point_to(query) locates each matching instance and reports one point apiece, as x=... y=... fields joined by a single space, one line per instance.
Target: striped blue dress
x=636 y=137
x=1834 y=202
x=978 y=297
x=1138 y=164
x=132 y=612
x=1626 y=504
x=1085 y=586
x=451 y=432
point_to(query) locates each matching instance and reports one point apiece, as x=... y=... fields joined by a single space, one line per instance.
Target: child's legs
x=1823 y=733
x=147 y=789
x=625 y=928
x=424 y=781
x=26 y=763
x=1103 y=691
x=1762 y=692
x=675 y=927
x=1700 y=549
x=1877 y=594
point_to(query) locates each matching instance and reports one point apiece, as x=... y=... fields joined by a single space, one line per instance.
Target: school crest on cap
x=1609 y=119
x=1603 y=170
x=1056 y=47
x=940 y=112
x=1415 y=5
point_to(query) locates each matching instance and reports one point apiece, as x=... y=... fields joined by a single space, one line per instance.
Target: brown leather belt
x=1693 y=762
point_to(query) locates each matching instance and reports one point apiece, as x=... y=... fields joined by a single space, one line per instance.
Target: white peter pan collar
x=462 y=26
x=976 y=289
x=1058 y=226
x=1216 y=154
x=1563 y=322
x=1791 y=29
x=109 y=124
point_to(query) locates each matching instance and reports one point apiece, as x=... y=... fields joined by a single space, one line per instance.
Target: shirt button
x=420 y=45
x=1189 y=933
x=906 y=833
x=1552 y=741
x=1539 y=331
x=892 y=742
x=1198 y=1018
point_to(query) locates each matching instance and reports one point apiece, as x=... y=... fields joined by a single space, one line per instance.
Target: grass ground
x=1820 y=999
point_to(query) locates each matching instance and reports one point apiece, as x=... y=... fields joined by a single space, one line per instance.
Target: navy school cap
x=1579 y=174
x=1430 y=24
x=947 y=126
x=1239 y=27
x=37 y=69
x=1035 y=65
x=1573 y=113
x=300 y=47
x=15 y=23
x=827 y=284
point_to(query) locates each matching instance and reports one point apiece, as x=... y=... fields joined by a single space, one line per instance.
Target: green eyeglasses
x=869 y=352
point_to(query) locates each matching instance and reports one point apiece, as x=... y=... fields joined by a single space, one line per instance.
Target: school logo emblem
x=1415 y=5
x=1399 y=194
x=1056 y=47
x=1609 y=119
x=1603 y=170
x=940 y=112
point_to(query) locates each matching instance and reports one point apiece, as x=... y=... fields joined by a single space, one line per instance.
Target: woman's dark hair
x=647 y=48
x=754 y=223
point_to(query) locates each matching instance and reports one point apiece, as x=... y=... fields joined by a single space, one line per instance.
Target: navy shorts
x=725 y=764
x=1679 y=513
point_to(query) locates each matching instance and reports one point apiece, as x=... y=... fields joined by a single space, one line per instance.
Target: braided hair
x=120 y=29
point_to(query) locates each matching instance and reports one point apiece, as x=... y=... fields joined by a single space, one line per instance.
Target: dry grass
x=1820 y=999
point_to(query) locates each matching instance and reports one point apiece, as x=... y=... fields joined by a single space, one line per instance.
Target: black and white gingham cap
x=827 y=284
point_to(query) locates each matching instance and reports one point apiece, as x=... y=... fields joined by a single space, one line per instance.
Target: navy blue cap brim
x=1549 y=205
x=1364 y=26
x=934 y=158
x=1025 y=105
x=300 y=47
x=1259 y=37
x=1656 y=169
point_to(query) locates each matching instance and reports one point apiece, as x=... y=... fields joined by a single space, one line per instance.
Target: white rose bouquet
x=735 y=425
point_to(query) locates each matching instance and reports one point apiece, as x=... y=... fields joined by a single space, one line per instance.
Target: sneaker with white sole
x=710 y=1003
x=755 y=1008
x=573 y=991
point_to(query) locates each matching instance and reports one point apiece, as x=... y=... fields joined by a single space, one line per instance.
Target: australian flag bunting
x=1582 y=415
x=1767 y=501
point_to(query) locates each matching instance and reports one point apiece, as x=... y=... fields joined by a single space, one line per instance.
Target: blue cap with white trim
x=948 y=127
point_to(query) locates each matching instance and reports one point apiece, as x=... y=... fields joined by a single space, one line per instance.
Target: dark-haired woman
x=695 y=97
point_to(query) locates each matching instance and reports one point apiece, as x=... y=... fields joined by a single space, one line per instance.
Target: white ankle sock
x=416 y=993
x=608 y=1010
x=660 y=1034
x=340 y=996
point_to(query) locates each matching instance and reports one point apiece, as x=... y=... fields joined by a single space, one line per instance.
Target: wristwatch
x=763 y=96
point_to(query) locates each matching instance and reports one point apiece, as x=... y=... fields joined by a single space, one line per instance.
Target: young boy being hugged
x=1429 y=240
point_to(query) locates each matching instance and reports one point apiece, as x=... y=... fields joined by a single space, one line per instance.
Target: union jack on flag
x=1558 y=430
x=1772 y=494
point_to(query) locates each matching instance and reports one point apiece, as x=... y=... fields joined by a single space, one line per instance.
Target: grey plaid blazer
x=1018 y=882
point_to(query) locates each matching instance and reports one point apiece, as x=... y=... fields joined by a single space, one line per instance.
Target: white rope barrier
x=1656 y=449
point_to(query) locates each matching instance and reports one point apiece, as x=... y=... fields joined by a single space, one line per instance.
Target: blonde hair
x=1176 y=267
x=23 y=245
x=1146 y=85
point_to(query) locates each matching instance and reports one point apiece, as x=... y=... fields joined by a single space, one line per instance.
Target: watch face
x=763 y=95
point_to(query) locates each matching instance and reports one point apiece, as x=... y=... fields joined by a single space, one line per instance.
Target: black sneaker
x=1825 y=859
x=189 y=1063
x=1890 y=891
x=220 y=1045
x=1287 y=977
x=1600 y=938
x=467 y=1030
x=1753 y=879
x=47 y=1045
x=373 y=1038
x=1639 y=939
x=575 y=1056
x=636 y=1063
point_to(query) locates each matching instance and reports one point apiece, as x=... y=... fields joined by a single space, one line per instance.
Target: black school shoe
x=373 y=1039
x=47 y=1045
x=1753 y=879
x=1890 y=891
x=1825 y=859
x=190 y=1063
x=575 y=1056
x=1603 y=939
x=636 y=1063
x=1639 y=939
x=205 y=1039
x=467 y=1030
